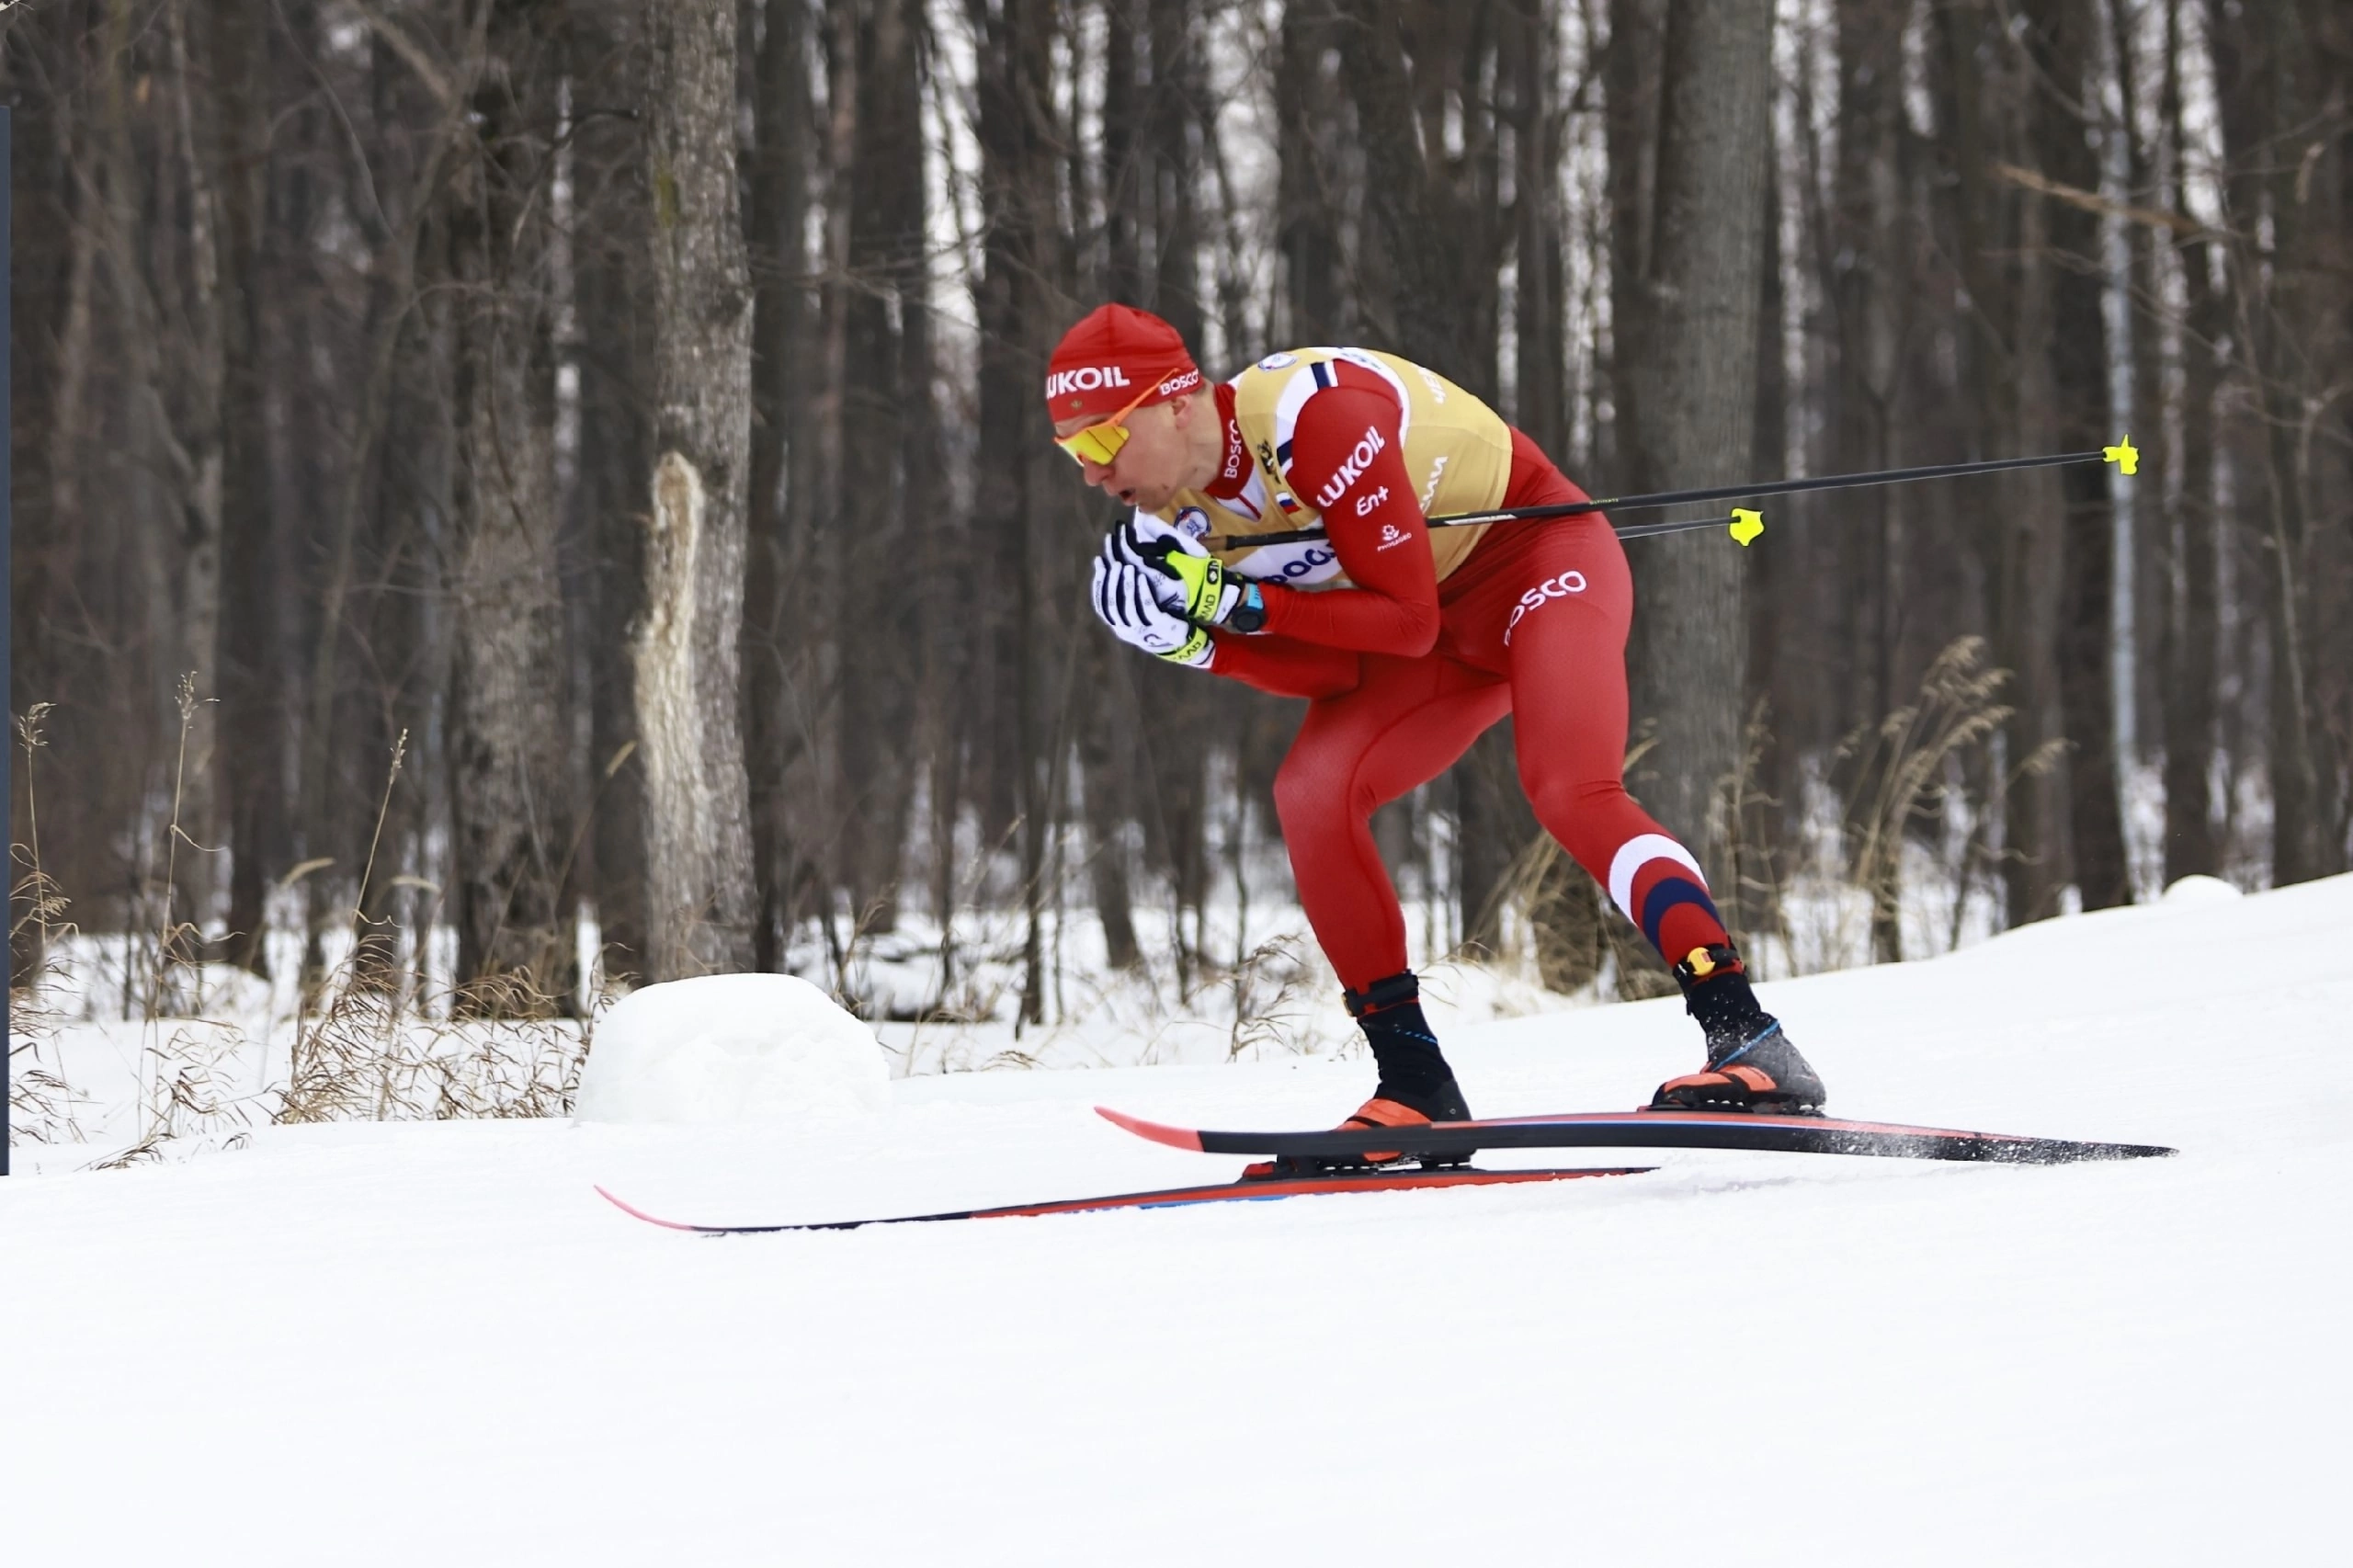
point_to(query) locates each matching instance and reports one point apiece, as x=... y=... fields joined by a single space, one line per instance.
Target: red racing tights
x=1534 y=625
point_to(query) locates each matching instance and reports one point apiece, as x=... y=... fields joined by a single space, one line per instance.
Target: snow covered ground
x=430 y=1343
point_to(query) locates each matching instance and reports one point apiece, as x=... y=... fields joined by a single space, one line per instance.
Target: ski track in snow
x=433 y=1343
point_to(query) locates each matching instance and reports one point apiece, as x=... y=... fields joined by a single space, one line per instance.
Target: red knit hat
x=1113 y=354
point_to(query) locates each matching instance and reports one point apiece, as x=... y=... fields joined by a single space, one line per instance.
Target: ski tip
x=636 y=1213
x=1175 y=1137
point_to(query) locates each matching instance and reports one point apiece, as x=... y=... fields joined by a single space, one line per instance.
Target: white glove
x=1124 y=601
x=1183 y=578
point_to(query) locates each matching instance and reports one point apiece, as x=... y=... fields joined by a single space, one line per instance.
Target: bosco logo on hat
x=1117 y=356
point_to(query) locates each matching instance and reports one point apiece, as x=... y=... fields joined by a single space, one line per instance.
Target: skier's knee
x=1298 y=789
x=1576 y=812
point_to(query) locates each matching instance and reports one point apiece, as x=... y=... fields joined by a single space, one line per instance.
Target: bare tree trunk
x=1770 y=806
x=873 y=715
x=2192 y=734
x=1867 y=284
x=431 y=523
x=607 y=502
x=512 y=796
x=347 y=744
x=1109 y=758
x=56 y=244
x=1125 y=182
x=2260 y=60
x=2325 y=170
x=1695 y=401
x=1528 y=57
x=192 y=350
x=1632 y=87
x=784 y=136
x=252 y=772
x=1112 y=764
x=1188 y=714
x=2192 y=531
x=1177 y=110
x=1019 y=186
x=2024 y=563
x=934 y=638
x=1431 y=211
x=2061 y=38
x=1309 y=199
x=2144 y=512
x=686 y=653
x=1631 y=80
x=2005 y=317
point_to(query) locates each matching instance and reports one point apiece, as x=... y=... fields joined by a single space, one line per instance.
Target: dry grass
x=369 y=1057
x=365 y=1050
x=174 y=988
x=371 y=1040
x=1272 y=998
x=1907 y=778
x=187 y=1091
x=1906 y=801
x=1903 y=777
x=41 y=1102
x=186 y=1075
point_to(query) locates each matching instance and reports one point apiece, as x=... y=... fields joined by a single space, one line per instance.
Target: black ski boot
x=1413 y=1073
x=1751 y=1066
x=1416 y=1087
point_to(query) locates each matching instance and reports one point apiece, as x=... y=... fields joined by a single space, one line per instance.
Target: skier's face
x=1152 y=466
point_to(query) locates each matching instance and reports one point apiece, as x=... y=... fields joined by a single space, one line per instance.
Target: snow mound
x=732 y=1048
x=2201 y=890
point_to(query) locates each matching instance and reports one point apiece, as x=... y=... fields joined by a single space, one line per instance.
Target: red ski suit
x=1405 y=671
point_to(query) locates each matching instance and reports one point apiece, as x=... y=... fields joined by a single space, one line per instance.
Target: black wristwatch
x=1249 y=612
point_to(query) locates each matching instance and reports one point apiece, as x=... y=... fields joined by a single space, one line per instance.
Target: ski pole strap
x=2124 y=455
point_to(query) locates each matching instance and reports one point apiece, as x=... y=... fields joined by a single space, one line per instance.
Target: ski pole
x=1744 y=525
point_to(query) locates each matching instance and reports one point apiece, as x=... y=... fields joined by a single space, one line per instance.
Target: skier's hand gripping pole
x=1184 y=577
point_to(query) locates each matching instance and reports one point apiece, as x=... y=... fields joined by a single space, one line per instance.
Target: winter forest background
x=415 y=397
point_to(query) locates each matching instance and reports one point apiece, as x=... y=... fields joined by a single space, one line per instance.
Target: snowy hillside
x=430 y=1343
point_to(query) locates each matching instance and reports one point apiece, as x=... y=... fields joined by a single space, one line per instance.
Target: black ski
x=1648 y=1130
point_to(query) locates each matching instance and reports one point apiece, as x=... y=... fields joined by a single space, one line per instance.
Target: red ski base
x=1170 y=1197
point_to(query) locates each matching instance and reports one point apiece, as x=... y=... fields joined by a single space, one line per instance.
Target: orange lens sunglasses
x=1100 y=442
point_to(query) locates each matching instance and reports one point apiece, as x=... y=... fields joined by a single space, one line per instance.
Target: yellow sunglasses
x=1100 y=442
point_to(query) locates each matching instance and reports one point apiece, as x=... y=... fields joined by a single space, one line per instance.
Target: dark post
x=7 y=784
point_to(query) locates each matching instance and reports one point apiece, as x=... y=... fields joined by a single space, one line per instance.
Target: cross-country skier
x=1407 y=644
